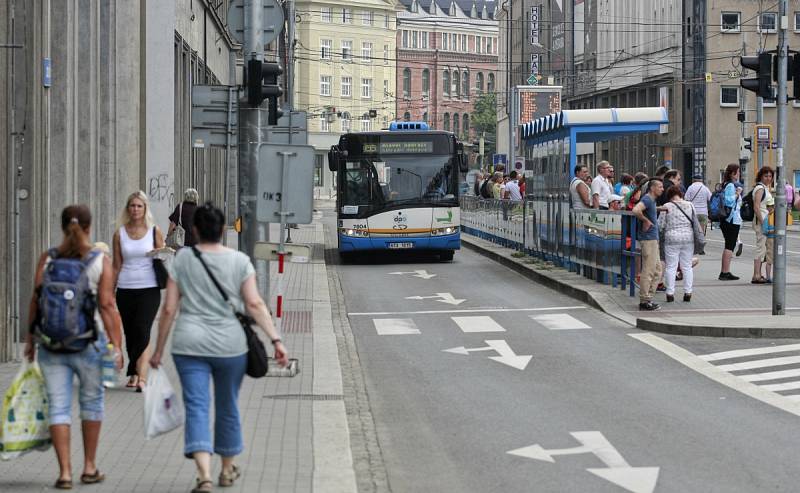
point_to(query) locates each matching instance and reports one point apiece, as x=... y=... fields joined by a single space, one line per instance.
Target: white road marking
x=738 y=353
x=771 y=375
x=507 y=355
x=618 y=471
x=467 y=310
x=445 y=298
x=559 y=321
x=478 y=324
x=395 y=326
x=749 y=246
x=795 y=397
x=422 y=274
x=760 y=363
x=714 y=373
x=777 y=387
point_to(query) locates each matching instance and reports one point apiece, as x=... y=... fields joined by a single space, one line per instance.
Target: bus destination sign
x=404 y=147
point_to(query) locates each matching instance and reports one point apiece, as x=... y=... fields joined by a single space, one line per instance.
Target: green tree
x=484 y=121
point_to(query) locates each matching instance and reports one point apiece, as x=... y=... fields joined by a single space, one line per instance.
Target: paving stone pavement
x=295 y=429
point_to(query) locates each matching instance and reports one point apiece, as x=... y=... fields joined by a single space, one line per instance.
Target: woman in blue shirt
x=732 y=222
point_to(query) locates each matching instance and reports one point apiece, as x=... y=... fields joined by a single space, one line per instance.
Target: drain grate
x=296 y=321
x=306 y=397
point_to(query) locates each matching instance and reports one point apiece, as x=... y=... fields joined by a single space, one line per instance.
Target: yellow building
x=345 y=72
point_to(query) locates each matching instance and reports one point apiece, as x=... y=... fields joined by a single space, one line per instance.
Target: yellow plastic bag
x=24 y=423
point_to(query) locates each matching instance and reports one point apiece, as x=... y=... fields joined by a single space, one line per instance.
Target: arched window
x=446 y=121
x=446 y=83
x=456 y=123
x=346 y=122
x=407 y=83
x=465 y=126
x=425 y=117
x=426 y=83
x=479 y=82
x=490 y=83
x=465 y=85
x=407 y=116
x=456 y=90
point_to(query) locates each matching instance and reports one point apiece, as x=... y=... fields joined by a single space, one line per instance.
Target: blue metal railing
x=596 y=244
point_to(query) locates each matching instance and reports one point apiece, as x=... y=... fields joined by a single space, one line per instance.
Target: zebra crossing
x=772 y=368
x=478 y=324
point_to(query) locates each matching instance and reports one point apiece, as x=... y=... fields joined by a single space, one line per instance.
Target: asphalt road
x=447 y=421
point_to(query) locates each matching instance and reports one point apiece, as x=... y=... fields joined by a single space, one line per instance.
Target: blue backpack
x=65 y=321
x=716 y=209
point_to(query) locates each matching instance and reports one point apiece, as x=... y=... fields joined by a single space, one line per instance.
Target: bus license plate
x=398 y=246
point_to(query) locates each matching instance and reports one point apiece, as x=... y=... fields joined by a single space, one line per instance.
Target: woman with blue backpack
x=730 y=220
x=73 y=293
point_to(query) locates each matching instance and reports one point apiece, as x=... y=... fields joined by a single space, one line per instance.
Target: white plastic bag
x=24 y=423
x=163 y=411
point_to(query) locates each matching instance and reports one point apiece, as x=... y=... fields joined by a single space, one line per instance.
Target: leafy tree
x=484 y=121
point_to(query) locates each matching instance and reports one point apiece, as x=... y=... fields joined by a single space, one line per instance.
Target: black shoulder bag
x=159 y=267
x=256 y=353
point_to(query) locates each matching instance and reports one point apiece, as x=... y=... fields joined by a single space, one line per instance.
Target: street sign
x=279 y=134
x=295 y=252
x=298 y=199
x=272 y=20
x=499 y=159
x=532 y=80
x=214 y=116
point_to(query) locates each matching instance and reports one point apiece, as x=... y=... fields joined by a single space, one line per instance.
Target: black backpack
x=747 y=210
x=486 y=192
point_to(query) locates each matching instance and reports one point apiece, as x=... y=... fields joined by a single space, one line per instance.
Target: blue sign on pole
x=499 y=159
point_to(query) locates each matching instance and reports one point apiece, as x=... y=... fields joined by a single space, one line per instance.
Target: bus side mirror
x=463 y=163
x=333 y=160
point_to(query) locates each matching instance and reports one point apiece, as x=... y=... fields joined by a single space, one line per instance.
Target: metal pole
x=281 y=242
x=290 y=17
x=779 y=273
x=512 y=124
x=759 y=121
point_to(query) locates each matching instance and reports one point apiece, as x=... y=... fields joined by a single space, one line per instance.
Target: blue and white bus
x=398 y=190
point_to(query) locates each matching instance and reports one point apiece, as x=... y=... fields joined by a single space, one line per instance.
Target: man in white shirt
x=700 y=196
x=512 y=187
x=601 y=185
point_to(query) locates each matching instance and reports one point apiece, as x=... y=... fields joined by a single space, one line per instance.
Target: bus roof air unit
x=400 y=126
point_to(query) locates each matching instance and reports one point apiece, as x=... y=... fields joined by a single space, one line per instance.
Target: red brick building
x=446 y=57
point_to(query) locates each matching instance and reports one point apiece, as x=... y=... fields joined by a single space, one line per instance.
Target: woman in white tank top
x=138 y=295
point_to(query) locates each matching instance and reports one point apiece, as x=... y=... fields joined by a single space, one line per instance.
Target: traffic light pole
x=779 y=274
x=759 y=121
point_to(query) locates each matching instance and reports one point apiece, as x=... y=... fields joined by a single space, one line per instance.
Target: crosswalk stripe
x=395 y=326
x=777 y=387
x=559 y=321
x=738 y=353
x=478 y=324
x=761 y=363
x=771 y=375
x=795 y=397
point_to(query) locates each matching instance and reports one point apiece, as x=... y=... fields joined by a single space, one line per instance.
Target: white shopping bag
x=163 y=411
x=24 y=422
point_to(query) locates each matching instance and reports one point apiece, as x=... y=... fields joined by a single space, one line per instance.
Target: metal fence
x=597 y=244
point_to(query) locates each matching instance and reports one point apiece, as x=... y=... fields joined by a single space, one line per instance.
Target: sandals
x=141 y=385
x=97 y=477
x=203 y=486
x=63 y=484
x=227 y=479
x=132 y=381
x=760 y=280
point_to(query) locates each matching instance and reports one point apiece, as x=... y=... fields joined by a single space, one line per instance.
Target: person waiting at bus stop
x=579 y=191
x=647 y=235
x=601 y=185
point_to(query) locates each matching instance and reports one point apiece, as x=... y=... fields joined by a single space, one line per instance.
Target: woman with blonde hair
x=138 y=294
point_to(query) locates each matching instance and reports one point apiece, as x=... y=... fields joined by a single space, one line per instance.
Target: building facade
x=447 y=54
x=345 y=72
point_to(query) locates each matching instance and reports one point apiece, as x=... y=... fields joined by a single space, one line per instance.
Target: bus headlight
x=357 y=233
x=444 y=231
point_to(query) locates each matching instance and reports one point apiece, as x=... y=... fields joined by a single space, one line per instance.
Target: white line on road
x=749 y=246
x=761 y=363
x=777 y=387
x=738 y=353
x=771 y=375
x=478 y=324
x=467 y=310
x=559 y=321
x=395 y=326
x=707 y=369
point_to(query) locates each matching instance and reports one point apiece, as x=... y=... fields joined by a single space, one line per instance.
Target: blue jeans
x=58 y=370
x=194 y=372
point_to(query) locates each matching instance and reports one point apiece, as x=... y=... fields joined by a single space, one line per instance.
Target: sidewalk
x=718 y=308
x=295 y=429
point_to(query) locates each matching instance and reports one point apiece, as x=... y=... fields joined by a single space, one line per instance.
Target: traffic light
x=262 y=83
x=762 y=65
x=748 y=143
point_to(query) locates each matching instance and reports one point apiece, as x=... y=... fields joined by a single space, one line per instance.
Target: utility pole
x=779 y=273
x=290 y=23
x=759 y=121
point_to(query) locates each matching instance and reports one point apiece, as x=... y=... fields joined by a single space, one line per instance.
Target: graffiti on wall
x=161 y=189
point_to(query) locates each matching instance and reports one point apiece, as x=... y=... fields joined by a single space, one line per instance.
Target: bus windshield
x=387 y=181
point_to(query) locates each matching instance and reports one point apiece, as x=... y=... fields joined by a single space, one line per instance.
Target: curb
x=712 y=329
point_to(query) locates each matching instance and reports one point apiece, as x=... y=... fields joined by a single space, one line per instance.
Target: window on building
x=405 y=38
x=366 y=123
x=347 y=16
x=479 y=82
x=729 y=96
x=465 y=85
x=446 y=83
x=366 y=52
x=386 y=54
x=415 y=39
x=489 y=46
x=406 y=83
x=425 y=117
x=385 y=88
x=731 y=22
x=445 y=41
x=386 y=21
x=406 y=116
x=446 y=122
x=464 y=42
x=324 y=124
x=347 y=87
x=366 y=88
x=465 y=125
x=456 y=124
x=797 y=22
x=326 y=14
x=453 y=42
x=319 y=162
x=325 y=47
x=347 y=50
x=490 y=83
x=346 y=122
x=423 y=40
x=768 y=22
x=426 y=84
x=455 y=90
x=478 y=41
x=367 y=17
x=324 y=85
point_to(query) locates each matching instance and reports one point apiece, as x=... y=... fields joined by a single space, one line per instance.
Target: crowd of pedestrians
x=124 y=296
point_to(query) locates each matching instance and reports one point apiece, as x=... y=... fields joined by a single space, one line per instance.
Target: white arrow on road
x=422 y=274
x=445 y=298
x=618 y=471
x=507 y=356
